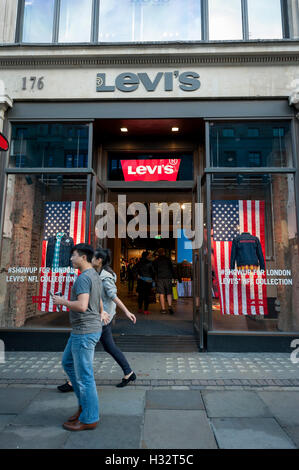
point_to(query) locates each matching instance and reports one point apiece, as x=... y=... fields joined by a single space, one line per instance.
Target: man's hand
x=105 y=318
x=132 y=317
x=58 y=300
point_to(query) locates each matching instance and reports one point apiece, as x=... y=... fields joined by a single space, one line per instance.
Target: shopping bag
x=174 y=293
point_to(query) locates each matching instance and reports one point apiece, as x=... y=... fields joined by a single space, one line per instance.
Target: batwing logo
x=151 y=170
x=3 y=143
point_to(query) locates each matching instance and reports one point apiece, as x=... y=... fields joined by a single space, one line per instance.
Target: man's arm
x=79 y=305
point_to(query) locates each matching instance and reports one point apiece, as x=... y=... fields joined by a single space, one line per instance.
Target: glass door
x=98 y=229
x=197 y=277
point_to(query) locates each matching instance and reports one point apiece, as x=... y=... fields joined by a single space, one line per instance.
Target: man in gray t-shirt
x=85 y=307
x=89 y=321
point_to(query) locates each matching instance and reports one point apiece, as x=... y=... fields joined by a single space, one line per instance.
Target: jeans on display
x=77 y=361
x=111 y=348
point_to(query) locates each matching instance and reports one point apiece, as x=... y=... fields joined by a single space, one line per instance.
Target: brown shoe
x=78 y=426
x=75 y=417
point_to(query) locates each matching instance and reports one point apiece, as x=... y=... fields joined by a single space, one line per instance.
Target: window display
x=241 y=292
x=45 y=216
x=64 y=228
x=254 y=252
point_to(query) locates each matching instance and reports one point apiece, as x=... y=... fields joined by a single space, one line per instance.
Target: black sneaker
x=65 y=388
x=163 y=312
x=125 y=382
x=170 y=310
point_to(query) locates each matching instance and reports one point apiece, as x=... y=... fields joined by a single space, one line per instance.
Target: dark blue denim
x=111 y=348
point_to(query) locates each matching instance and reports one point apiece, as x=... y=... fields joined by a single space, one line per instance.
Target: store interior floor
x=181 y=323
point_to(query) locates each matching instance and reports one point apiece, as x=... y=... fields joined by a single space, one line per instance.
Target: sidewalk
x=179 y=401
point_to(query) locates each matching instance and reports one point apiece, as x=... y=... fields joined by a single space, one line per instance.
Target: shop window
x=225 y=20
x=265 y=20
x=254 y=159
x=111 y=21
x=229 y=159
x=278 y=132
x=149 y=20
x=265 y=144
x=253 y=132
x=45 y=216
x=38 y=21
x=155 y=167
x=49 y=145
x=228 y=132
x=254 y=253
x=75 y=20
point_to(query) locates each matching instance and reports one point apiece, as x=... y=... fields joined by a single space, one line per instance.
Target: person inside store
x=123 y=270
x=145 y=279
x=164 y=273
x=101 y=263
x=77 y=361
x=131 y=275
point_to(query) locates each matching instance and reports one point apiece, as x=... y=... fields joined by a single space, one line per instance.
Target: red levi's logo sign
x=151 y=170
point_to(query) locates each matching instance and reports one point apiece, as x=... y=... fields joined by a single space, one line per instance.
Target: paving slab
x=174 y=429
x=121 y=401
x=32 y=437
x=283 y=405
x=5 y=420
x=48 y=408
x=14 y=400
x=250 y=433
x=174 y=400
x=112 y=432
x=293 y=433
x=234 y=404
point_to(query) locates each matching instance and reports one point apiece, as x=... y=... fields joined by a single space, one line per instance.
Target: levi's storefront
x=143 y=159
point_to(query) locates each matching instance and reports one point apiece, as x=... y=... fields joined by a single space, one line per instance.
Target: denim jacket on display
x=247 y=251
x=66 y=246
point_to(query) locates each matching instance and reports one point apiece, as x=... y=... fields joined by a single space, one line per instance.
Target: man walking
x=164 y=274
x=85 y=306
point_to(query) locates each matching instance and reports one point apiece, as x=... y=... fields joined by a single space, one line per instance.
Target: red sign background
x=151 y=170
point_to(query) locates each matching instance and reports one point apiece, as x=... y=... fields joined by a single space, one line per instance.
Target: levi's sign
x=151 y=170
x=128 y=81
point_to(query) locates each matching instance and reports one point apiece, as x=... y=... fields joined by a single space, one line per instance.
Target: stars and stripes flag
x=69 y=218
x=240 y=293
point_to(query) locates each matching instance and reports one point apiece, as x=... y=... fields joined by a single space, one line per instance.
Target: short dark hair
x=84 y=249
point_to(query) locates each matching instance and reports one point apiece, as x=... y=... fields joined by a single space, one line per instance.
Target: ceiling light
x=124 y=129
x=175 y=129
x=183 y=206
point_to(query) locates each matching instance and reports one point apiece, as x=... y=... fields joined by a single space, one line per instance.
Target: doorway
x=127 y=252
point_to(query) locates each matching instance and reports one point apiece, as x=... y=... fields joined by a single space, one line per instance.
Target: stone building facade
x=168 y=75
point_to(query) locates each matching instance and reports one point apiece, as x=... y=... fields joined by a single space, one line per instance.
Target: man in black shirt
x=164 y=274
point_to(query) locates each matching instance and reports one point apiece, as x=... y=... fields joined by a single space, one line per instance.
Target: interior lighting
x=175 y=129
x=124 y=129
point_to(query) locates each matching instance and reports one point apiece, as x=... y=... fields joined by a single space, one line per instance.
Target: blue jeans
x=111 y=348
x=77 y=361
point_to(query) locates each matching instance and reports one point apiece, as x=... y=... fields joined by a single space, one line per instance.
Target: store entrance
x=175 y=318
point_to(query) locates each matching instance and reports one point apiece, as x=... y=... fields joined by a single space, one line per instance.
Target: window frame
x=94 y=36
